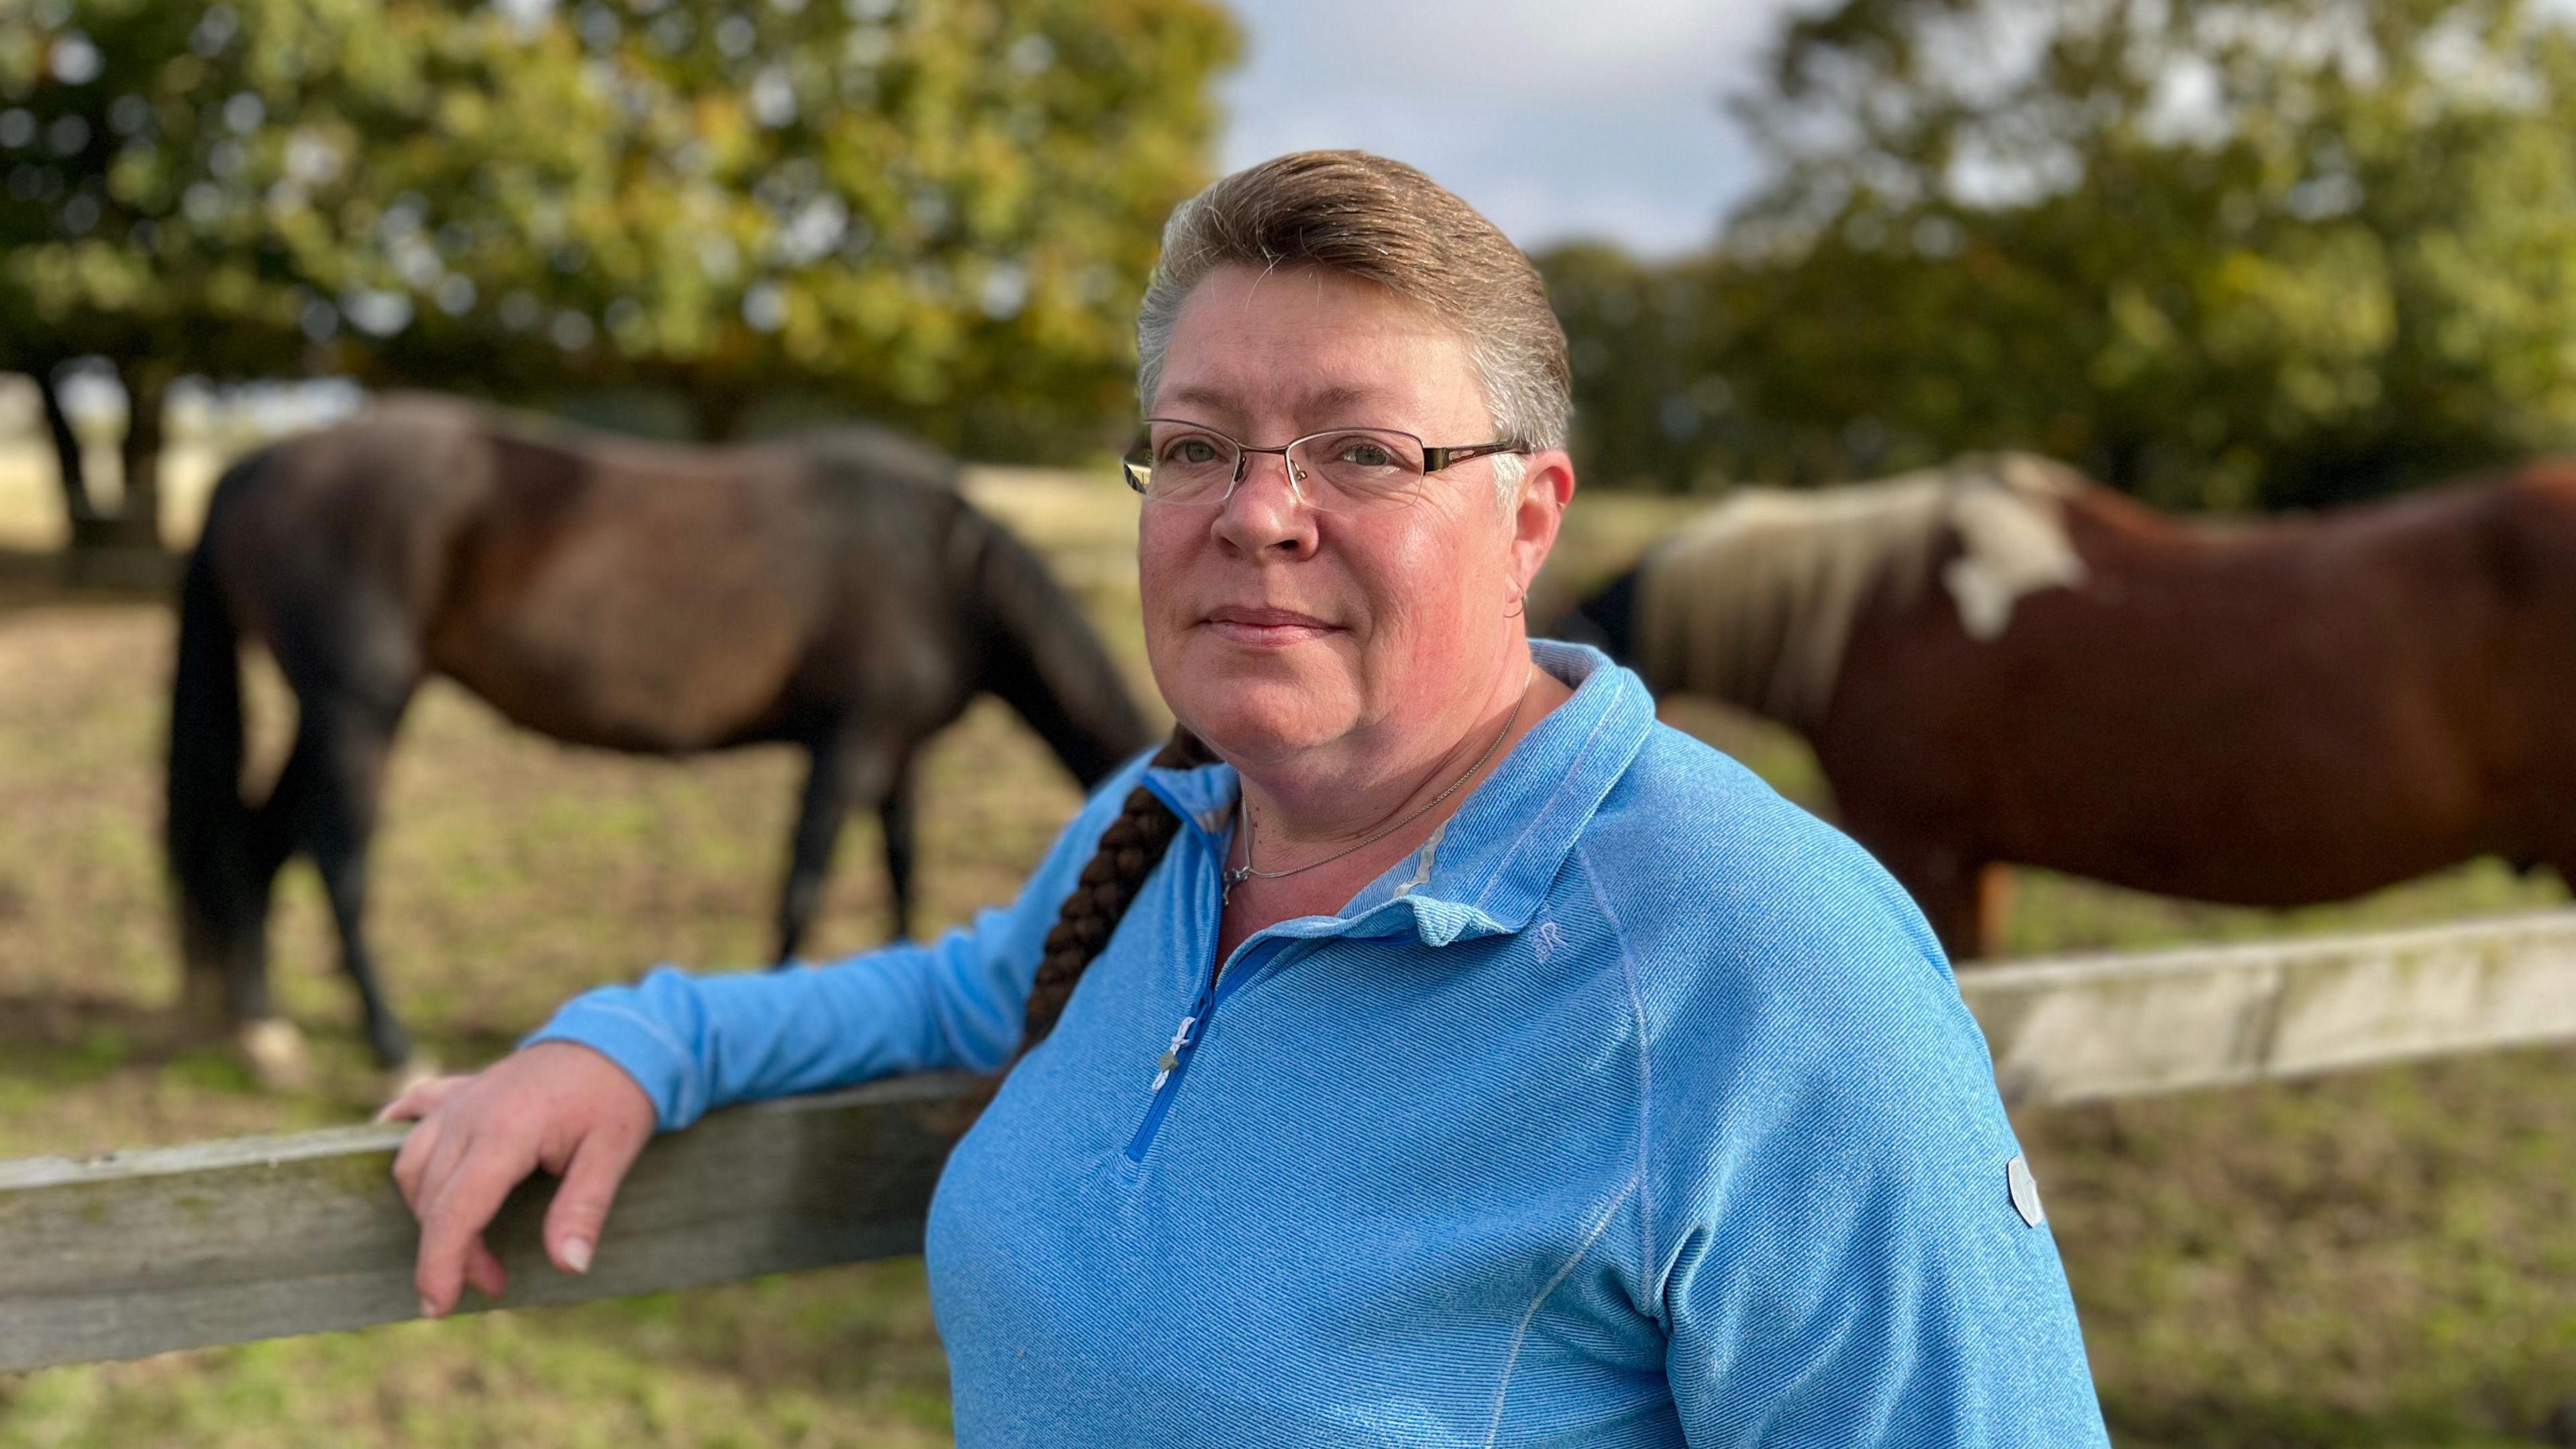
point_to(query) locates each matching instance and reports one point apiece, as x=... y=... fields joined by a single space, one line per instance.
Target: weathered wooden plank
x=136 y=1253
x=2080 y=1029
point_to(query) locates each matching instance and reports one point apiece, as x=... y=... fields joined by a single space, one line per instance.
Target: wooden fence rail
x=2085 y=1028
x=134 y=1253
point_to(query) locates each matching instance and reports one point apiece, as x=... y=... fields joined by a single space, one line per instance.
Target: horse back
x=2269 y=711
x=2533 y=535
x=675 y=600
x=333 y=547
x=608 y=592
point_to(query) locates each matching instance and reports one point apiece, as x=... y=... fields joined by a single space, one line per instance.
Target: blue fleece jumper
x=1638 y=1107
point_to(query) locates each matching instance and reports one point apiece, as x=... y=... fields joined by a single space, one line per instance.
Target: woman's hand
x=555 y=1105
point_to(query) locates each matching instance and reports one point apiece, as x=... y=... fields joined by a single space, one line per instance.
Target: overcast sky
x=1557 y=118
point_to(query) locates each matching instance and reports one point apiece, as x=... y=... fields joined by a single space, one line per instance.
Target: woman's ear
x=1546 y=487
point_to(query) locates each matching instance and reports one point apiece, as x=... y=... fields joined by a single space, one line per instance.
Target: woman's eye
x=1188 y=451
x=1365 y=454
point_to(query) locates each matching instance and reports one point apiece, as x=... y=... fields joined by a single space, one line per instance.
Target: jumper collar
x=1487 y=869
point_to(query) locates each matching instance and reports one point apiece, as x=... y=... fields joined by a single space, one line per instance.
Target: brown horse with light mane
x=833 y=591
x=2001 y=662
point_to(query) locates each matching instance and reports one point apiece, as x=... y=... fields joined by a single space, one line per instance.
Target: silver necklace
x=1244 y=872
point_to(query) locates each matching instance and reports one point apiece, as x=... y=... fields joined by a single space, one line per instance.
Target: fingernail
x=576 y=1254
x=428 y=1309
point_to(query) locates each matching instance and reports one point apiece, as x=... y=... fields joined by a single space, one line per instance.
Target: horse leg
x=341 y=746
x=846 y=767
x=226 y=947
x=237 y=992
x=271 y=843
x=810 y=845
x=895 y=813
x=226 y=989
x=1994 y=907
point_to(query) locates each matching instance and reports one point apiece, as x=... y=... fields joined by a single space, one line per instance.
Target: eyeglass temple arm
x=1435 y=459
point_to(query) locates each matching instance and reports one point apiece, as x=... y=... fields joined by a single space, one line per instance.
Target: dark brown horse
x=832 y=591
x=2001 y=662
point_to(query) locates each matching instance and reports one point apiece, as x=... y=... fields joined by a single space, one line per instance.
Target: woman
x=1459 y=1055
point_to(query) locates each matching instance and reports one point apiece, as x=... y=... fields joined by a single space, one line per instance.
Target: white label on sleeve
x=2025 y=1192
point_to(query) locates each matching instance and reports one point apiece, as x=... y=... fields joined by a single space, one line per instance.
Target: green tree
x=939 y=212
x=103 y=109
x=1652 y=407
x=936 y=211
x=201 y=189
x=2223 y=253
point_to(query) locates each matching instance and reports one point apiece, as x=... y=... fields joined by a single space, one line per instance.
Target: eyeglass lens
x=1341 y=469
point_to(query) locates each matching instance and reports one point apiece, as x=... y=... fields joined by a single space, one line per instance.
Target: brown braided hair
x=1129 y=850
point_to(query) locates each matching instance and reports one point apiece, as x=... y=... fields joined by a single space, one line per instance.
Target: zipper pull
x=1171 y=1056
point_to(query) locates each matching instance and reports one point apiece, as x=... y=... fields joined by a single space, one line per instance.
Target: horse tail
x=1042 y=657
x=207 y=827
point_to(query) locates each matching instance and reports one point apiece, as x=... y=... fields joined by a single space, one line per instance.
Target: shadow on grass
x=32 y=578
x=55 y=1040
x=54 y=1036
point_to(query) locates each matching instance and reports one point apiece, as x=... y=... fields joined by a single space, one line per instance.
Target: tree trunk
x=122 y=550
x=147 y=388
x=88 y=530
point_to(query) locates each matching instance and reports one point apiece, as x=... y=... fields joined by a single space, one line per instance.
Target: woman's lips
x=1266 y=628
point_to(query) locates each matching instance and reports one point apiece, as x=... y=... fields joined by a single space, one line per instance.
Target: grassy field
x=2381 y=1259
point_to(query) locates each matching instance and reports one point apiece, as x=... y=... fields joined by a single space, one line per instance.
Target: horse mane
x=1042 y=657
x=1753 y=602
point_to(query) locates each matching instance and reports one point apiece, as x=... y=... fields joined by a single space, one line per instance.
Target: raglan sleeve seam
x=1646 y=1285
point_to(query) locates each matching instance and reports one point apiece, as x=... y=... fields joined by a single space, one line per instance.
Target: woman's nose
x=1264 y=513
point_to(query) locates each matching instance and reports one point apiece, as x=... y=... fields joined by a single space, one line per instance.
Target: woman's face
x=1276 y=631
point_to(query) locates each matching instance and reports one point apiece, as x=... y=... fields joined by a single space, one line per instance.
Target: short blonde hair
x=1381 y=221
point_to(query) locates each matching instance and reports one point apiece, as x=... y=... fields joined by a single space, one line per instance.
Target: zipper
x=1174 y=1064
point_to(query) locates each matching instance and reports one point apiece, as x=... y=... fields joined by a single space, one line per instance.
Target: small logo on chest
x=1547 y=938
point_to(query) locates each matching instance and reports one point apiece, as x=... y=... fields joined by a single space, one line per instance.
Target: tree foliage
x=940 y=211
x=936 y=211
x=2223 y=253
x=1654 y=407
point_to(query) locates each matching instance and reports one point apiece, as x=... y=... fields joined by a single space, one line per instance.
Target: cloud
x=1599 y=120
